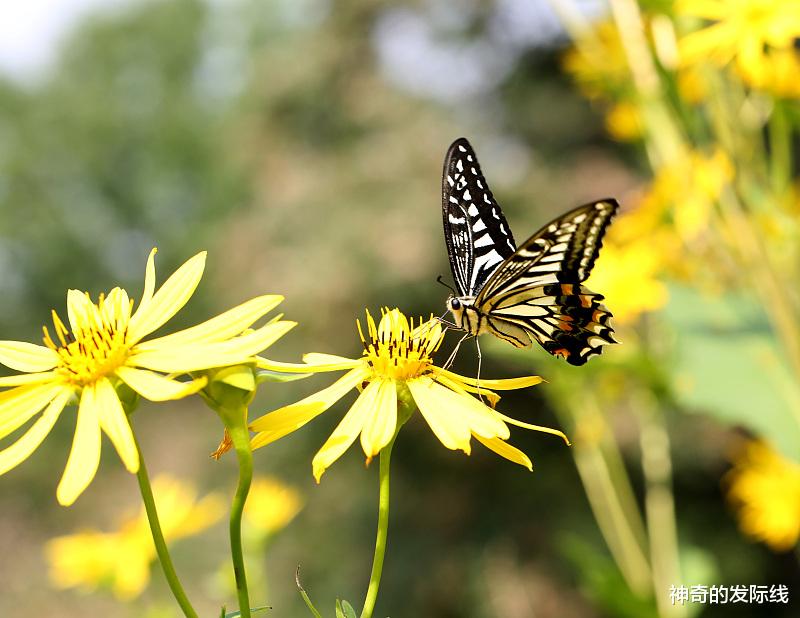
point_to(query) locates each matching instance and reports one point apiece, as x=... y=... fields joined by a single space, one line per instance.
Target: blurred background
x=300 y=142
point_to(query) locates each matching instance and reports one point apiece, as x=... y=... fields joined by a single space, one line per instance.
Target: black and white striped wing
x=476 y=232
x=536 y=294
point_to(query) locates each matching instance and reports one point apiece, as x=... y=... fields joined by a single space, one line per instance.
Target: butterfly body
x=529 y=293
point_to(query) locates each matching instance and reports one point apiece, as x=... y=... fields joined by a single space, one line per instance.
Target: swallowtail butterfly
x=528 y=293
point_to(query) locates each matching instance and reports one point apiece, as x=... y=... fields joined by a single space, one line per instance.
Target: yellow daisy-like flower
x=743 y=30
x=764 y=488
x=102 y=349
x=397 y=356
x=121 y=560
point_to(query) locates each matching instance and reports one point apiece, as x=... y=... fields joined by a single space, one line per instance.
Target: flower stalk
x=158 y=539
x=241 y=443
x=383 y=531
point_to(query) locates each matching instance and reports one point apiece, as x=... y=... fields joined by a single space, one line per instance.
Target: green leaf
x=265 y=375
x=303 y=594
x=344 y=609
x=729 y=365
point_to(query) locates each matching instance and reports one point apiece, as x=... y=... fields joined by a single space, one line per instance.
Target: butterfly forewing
x=476 y=232
x=563 y=250
x=538 y=289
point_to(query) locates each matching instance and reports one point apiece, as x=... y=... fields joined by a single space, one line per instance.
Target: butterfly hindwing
x=477 y=234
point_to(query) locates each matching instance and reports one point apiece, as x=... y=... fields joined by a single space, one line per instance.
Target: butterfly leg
x=452 y=356
x=478 y=380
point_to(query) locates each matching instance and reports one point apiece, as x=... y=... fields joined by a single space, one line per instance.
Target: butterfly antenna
x=447 y=285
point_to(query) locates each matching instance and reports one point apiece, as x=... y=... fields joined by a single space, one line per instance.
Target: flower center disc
x=98 y=345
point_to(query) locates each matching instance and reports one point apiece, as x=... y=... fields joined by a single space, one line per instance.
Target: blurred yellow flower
x=121 y=560
x=743 y=30
x=102 y=350
x=628 y=275
x=624 y=121
x=271 y=505
x=397 y=361
x=598 y=63
x=687 y=190
x=600 y=68
x=764 y=488
x=777 y=74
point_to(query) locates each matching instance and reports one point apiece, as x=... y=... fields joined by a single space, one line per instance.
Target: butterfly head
x=458 y=306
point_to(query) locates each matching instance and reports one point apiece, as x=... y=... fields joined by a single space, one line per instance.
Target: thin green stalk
x=158 y=539
x=659 y=505
x=608 y=489
x=241 y=442
x=780 y=137
x=383 y=531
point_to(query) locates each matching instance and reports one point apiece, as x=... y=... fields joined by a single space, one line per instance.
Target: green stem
x=241 y=442
x=158 y=539
x=383 y=530
x=659 y=504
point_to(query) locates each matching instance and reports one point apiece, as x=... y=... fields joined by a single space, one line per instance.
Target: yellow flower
x=396 y=357
x=121 y=560
x=764 y=488
x=624 y=122
x=742 y=31
x=777 y=74
x=687 y=190
x=102 y=354
x=599 y=65
x=628 y=275
x=271 y=505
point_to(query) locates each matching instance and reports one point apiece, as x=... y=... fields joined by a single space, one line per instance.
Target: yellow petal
x=504 y=449
x=149 y=279
x=27 y=357
x=28 y=378
x=480 y=419
x=81 y=311
x=283 y=421
x=220 y=328
x=380 y=425
x=30 y=441
x=156 y=387
x=182 y=359
x=271 y=365
x=174 y=294
x=460 y=387
x=84 y=457
x=19 y=404
x=114 y=422
x=446 y=423
x=347 y=430
x=506 y=384
x=329 y=362
x=541 y=428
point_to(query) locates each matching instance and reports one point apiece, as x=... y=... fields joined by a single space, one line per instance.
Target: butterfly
x=528 y=293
